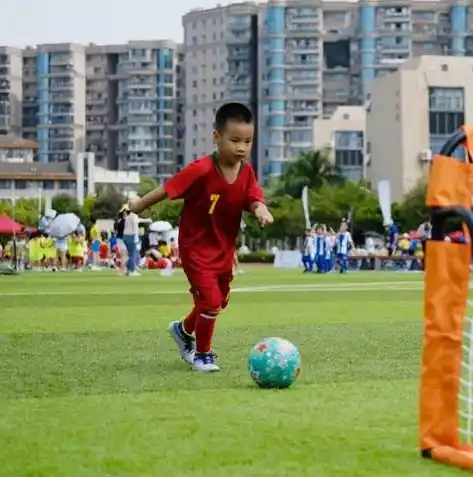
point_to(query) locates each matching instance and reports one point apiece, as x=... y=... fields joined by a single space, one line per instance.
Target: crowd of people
x=92 y=249
x=324 y=249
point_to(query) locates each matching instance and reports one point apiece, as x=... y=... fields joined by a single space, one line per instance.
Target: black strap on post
x=439 y=215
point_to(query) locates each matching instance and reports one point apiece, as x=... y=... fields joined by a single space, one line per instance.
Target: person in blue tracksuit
x=344 y=243
x=308 y=254
x=320 y=248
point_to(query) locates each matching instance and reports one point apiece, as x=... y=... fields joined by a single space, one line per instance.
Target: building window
x=48 y=185
x=349 y=140
x=348 y=158
x=446 y=123
x=64 y=185
x=446 y=99
x=20 y=184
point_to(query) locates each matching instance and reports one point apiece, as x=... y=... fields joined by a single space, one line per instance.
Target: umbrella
x=160 y=226
x=8 y=226
x=64 y=225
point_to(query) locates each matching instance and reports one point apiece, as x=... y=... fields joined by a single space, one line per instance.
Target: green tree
x=313 y=170
x=64 y=204
x=147 y=184
x=107 y=204
x=288 y=218
x=168 y=210
x=412 y=211
x=23 y=211
x=87 y=211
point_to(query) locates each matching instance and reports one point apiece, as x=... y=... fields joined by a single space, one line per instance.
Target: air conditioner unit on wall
x=425 y=155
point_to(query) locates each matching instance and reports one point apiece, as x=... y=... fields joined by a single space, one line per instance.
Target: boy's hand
x=263 y=215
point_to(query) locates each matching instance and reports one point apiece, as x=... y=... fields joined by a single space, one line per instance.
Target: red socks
x=203 y=325
x=188 y=323
x=204 y=332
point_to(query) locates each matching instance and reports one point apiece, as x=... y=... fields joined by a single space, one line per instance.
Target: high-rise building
x=117 y=101
x=54 y=100
x=30 y=98
x=313 y=58
x=131 y=105
x=11 y=90
x=221 y=58
x=180 y=126
x=411 y=114
x=101 y=103
x=146 y=84
x=344 y=136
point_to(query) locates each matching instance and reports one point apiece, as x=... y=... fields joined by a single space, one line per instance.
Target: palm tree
x=312 y=169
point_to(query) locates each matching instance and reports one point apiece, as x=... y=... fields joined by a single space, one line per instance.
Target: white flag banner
x=305 y=206
x=384 y=197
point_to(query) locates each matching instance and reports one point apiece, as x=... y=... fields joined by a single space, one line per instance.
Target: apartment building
x=344 y=136
x=131 y=105
x=410 y=115
x=117 y=101
x=11 y=90
x=313 y=58
x=101 y=93
x=53 y=106
x=220 y=58
x=180 y=119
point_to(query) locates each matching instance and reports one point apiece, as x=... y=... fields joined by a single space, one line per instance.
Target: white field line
x=341 y=287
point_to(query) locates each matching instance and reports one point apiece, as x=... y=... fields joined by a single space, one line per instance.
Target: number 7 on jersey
x=213 y=202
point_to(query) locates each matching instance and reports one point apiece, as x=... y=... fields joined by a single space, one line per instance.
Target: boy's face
x=234 y=141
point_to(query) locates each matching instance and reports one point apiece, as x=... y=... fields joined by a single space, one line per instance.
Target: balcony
x=395 y=14
x=66 y=70
x=61 y=60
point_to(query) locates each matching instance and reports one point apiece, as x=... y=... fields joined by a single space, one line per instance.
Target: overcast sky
x=32 y=22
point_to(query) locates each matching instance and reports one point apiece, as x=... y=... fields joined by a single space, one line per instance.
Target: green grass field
x=91 y=385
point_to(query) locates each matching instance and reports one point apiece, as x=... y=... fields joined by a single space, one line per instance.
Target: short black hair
x=232 y=112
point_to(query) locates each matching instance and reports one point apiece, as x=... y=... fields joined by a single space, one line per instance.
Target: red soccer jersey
x=212 y=212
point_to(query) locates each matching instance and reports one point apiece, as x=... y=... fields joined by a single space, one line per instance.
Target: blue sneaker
x=206 y=362
x=185 y=343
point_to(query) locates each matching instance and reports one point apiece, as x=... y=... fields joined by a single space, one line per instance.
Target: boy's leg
x=225 y=286
x=183 y=332
x=208 y=298
x=188 y=323
x=307 y=262
x=311 y=263
x=343 y=263
x=207 y=305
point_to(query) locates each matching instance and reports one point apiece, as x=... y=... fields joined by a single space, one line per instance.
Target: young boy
x=344 y=244
x=216 y=190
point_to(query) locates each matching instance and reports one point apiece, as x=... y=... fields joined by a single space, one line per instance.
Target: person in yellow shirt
x=8 y=250
x=48 y=245
x=76 y=250
x=163 y=249
x=95 y=241
x=404 y=245
x=35 y=253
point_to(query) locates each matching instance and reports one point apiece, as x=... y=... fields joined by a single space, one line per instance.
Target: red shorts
x=210 y=290
x=77 y=261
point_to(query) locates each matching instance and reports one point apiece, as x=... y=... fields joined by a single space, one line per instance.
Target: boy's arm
x=255 y=202
x=151 y=198
x=174 y=188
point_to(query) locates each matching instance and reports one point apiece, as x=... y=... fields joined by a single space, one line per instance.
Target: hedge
x=260 y=256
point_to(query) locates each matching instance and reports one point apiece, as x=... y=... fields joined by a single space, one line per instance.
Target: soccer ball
x=274 y=363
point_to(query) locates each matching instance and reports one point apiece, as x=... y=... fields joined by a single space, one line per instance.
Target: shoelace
x=189 y=346
x=209 y=357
